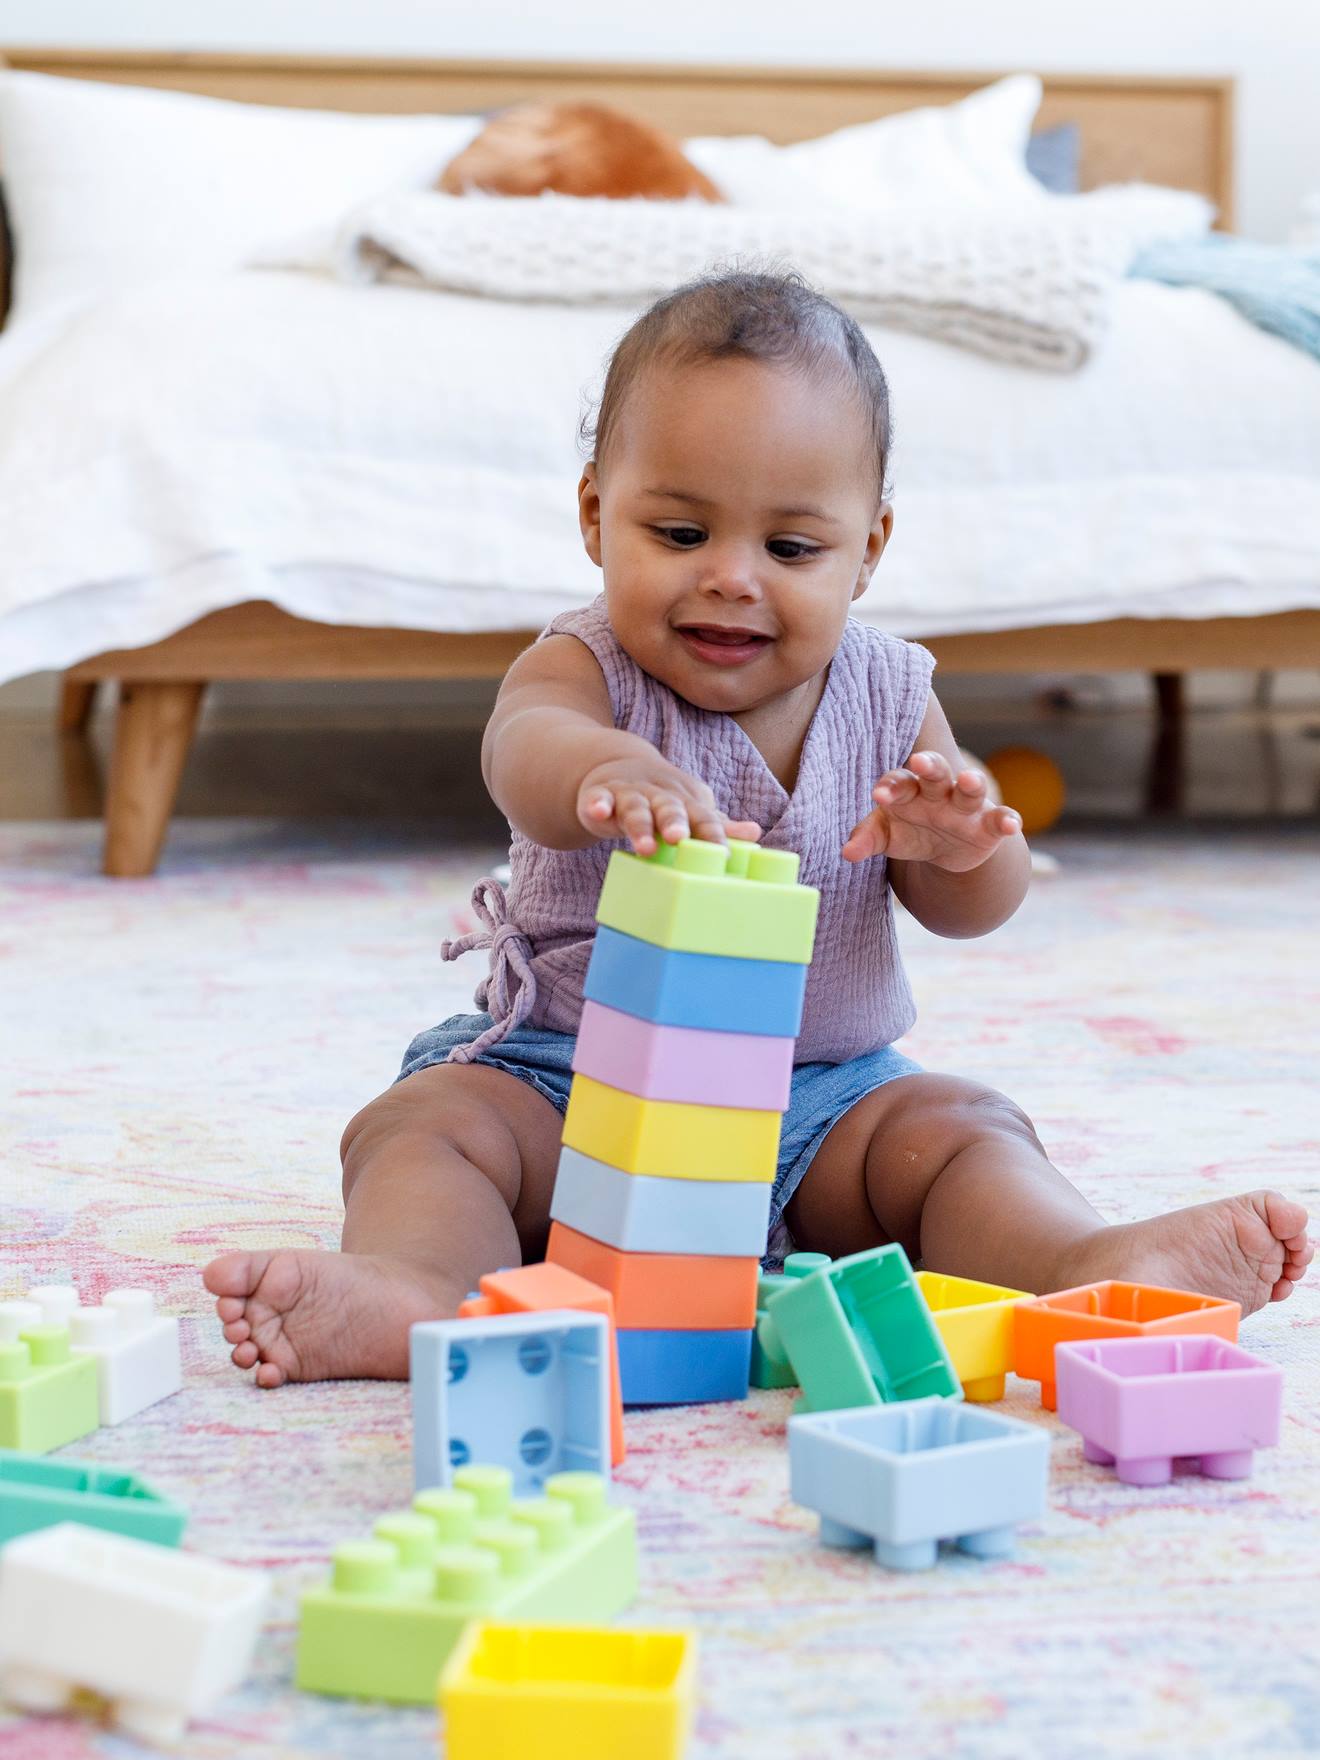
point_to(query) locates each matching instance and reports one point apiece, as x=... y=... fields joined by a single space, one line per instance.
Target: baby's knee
x=416 y=1120
x=987 y=1112
x=952 y=1114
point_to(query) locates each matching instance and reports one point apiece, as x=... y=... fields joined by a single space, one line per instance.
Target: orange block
x=1109 y=1310
x=536 y=1289
x=681 y=1292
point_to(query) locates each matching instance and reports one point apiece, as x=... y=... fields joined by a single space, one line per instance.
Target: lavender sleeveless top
x=857 y=996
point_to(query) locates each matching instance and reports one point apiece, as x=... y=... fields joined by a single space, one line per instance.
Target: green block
x=770 y=1364
x=38 y=1493
x=743 y=902
x=396 y=1604
x=47 y=1396
x=858 y=1333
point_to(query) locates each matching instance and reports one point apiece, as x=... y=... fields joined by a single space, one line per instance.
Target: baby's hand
x=645 y=799
x=925 y=813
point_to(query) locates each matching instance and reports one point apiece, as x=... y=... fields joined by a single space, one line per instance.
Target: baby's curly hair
x=759 y=315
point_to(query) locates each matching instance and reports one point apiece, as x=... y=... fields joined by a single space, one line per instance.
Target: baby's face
x=735 y=518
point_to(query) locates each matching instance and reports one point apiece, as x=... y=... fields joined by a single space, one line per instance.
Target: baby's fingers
x=635 y=820
x=671 y=817
x=933 y=774
x=870 y=837
x=894 y=788
x=969 y=791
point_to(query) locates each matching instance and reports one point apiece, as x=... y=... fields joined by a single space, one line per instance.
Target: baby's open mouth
x=723 y=645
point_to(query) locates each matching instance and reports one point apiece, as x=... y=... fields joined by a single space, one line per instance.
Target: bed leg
x=153 y=732
x=1165 y=773
x=77 y=700
x=1169 y=695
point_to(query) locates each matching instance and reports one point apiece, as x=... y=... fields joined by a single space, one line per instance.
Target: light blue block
x=695 y=989
x=638 y=1213
x=676 y=1368
x=530 y=1392
x=904 y=1477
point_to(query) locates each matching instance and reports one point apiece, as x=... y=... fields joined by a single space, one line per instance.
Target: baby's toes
x=244 y=1355
x=237 y=1331
x=230 y=1308
x=269 y=1374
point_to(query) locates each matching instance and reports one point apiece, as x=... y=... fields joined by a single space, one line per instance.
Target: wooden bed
x=1170 y=131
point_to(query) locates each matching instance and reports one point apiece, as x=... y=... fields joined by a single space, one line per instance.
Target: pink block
x=751 y=1070
x=1141 y=1403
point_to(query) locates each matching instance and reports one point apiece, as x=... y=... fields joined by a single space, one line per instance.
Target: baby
x=736 y=506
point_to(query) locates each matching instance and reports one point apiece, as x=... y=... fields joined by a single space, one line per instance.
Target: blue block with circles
x=695 y=989
x=644 y=1213
x=530 y=1392
x=675 y=1368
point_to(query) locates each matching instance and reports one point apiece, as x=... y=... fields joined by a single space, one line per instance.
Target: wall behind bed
x=1272 y=47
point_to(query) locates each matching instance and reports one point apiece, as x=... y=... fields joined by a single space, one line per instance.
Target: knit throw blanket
x=1032 y=291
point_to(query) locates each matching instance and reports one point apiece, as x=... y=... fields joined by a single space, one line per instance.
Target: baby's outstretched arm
x=958 y=862
x=564 y=775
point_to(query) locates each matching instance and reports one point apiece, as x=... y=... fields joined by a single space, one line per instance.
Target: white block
x=163 y=1635
x=15 y=1318
x=56 y=1301
x=136 y=1352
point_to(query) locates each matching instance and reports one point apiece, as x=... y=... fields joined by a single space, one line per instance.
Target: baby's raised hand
x=926 y=813
x=646 y=799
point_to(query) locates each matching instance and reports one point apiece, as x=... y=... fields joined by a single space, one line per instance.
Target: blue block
x=683 y=1368
x=695 y=989
x=640 y=1213
x=530 y=1392
x=904 y=1477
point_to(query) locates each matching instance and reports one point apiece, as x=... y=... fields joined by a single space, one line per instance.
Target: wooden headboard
x=1170 y=131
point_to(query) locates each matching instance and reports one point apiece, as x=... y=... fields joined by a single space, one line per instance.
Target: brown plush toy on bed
x=576 y=150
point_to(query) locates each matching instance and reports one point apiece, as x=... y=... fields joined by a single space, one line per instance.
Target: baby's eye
x=686 y=537
x=791 y=549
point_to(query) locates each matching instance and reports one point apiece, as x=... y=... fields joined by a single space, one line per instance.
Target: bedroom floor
x=192 y=1046
x=360 y=758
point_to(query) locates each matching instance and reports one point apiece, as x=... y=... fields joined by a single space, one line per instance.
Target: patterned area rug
x=181 y=1054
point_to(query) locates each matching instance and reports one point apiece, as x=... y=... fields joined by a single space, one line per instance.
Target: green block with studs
x=857 y=1332
x=47 y=1396
x=396 y=1604
x=775 y=1370
x=743 y=902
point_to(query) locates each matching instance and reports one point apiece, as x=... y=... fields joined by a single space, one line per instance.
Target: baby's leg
x=956 y=1172
x=446 y=1175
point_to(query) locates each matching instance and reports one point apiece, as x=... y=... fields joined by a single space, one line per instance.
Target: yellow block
x=669 y=1137
x=975 y=1321
x=567 y=1693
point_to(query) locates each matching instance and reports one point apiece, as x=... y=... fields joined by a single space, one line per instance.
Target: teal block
x=858 y=1332
x=36 y=1493
x=767 y=1370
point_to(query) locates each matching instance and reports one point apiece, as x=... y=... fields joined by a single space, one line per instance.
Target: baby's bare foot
x=322 y=1316
x=1251 y=1250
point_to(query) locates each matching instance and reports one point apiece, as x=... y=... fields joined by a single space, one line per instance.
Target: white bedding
x=388 y=455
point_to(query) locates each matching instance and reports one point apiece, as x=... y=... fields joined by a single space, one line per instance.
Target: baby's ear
x=876 y=539
x=589 y=512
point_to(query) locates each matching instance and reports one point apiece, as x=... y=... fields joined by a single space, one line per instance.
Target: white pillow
x=958 y=155
x=110 y=185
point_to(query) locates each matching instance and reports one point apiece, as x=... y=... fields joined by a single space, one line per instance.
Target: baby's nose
x=731 y=572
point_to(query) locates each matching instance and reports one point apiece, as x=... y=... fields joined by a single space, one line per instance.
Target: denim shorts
x=821 y=1092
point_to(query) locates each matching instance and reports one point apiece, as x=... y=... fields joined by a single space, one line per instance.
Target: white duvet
x=388 y=455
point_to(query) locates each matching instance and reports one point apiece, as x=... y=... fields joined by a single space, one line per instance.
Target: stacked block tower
x=681 y=1074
